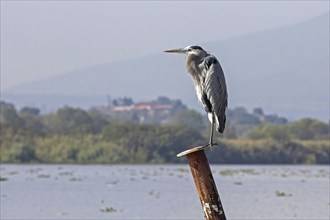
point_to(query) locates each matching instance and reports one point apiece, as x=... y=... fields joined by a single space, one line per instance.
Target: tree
x=9 y=116
x=240 y=115
x=258 y=111
x=189 y=118
x=308 y=128
x=69 y=120
x=154 y=143
x=19 y=152
x=275 y=132
x=30 y=111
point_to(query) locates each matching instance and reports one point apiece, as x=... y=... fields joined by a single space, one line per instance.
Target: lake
x=161 y=192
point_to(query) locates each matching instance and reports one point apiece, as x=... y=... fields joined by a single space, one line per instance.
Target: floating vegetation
x=34 y=170
x=305 y=171
x=183 y=170
x=153 y=193
x=3 y=178
x=249 y=171
x=107 y=209
x=13 y=172
x=43 y=176
x=133 y=173
x=324 y=173
x=66 y=173
x=73 y=179
x=228 y=172
x=61 y=213
x=283 y=194
x=276 y=173
x=146 y=173
x=112 y=183
x=238 y=172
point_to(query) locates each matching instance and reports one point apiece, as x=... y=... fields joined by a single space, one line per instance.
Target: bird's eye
x=189 y=49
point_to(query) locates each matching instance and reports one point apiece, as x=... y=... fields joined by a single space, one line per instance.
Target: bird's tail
x=221 y=122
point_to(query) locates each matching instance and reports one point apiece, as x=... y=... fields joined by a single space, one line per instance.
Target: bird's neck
x=193 y=66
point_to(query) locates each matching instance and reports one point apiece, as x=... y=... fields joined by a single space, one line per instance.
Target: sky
x=40 y=39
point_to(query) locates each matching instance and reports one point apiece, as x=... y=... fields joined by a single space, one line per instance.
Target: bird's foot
x=212 y=144
x=206 y=146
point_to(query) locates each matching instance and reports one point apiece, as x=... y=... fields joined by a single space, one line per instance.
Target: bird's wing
x=215 y=89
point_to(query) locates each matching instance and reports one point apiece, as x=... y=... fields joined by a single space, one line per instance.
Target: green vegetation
x=108 y=209
x=268 y=151
x=283 y=194
x=73 y=135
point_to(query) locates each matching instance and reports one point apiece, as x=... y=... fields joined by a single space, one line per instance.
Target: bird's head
x=189 y=50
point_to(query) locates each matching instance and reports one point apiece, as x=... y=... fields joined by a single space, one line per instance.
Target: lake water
x=161 y=192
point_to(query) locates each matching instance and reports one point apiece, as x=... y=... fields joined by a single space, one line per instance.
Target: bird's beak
x=181 y=50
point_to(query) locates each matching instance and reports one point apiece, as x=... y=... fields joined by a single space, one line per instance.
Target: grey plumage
x=216 y=90
x=210 y=84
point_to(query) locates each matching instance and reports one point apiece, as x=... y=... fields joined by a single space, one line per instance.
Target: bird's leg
x=212 y=129
x=211 y=135
x=210 y=144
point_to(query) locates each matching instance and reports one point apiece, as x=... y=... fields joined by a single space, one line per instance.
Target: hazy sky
x=42 y=39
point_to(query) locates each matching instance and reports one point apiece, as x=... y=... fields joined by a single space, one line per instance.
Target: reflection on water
x=161 y=192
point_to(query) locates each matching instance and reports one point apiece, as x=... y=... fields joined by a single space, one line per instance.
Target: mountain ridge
x=274 y=68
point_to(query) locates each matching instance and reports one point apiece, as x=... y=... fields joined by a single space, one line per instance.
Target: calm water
x=161 y=192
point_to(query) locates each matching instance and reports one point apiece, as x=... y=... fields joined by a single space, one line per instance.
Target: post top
x=192 y=150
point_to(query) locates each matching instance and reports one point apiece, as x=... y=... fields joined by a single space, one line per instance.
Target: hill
x=285 y=70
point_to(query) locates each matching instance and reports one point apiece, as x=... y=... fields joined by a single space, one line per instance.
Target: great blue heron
x=210 y=84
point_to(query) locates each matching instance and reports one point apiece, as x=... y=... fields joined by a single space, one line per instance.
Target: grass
x=108 y=209
x=236 y=172
x=283 y=194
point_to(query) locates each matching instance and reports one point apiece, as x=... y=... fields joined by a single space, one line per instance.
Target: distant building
x=156 y=111
x=143 y=106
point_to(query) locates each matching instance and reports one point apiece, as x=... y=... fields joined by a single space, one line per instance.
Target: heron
x=210 y=85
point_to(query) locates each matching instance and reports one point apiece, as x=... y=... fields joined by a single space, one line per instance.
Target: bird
x=210 y=85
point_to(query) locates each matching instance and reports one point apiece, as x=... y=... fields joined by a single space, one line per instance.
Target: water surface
x=161 y=192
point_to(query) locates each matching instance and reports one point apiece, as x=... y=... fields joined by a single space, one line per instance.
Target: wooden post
x=206 y=188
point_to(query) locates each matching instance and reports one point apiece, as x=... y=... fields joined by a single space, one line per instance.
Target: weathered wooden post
x=206 y=188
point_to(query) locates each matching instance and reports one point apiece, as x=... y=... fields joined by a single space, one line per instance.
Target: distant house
x=156 y=111
x=143 y=106
x=122 y=108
